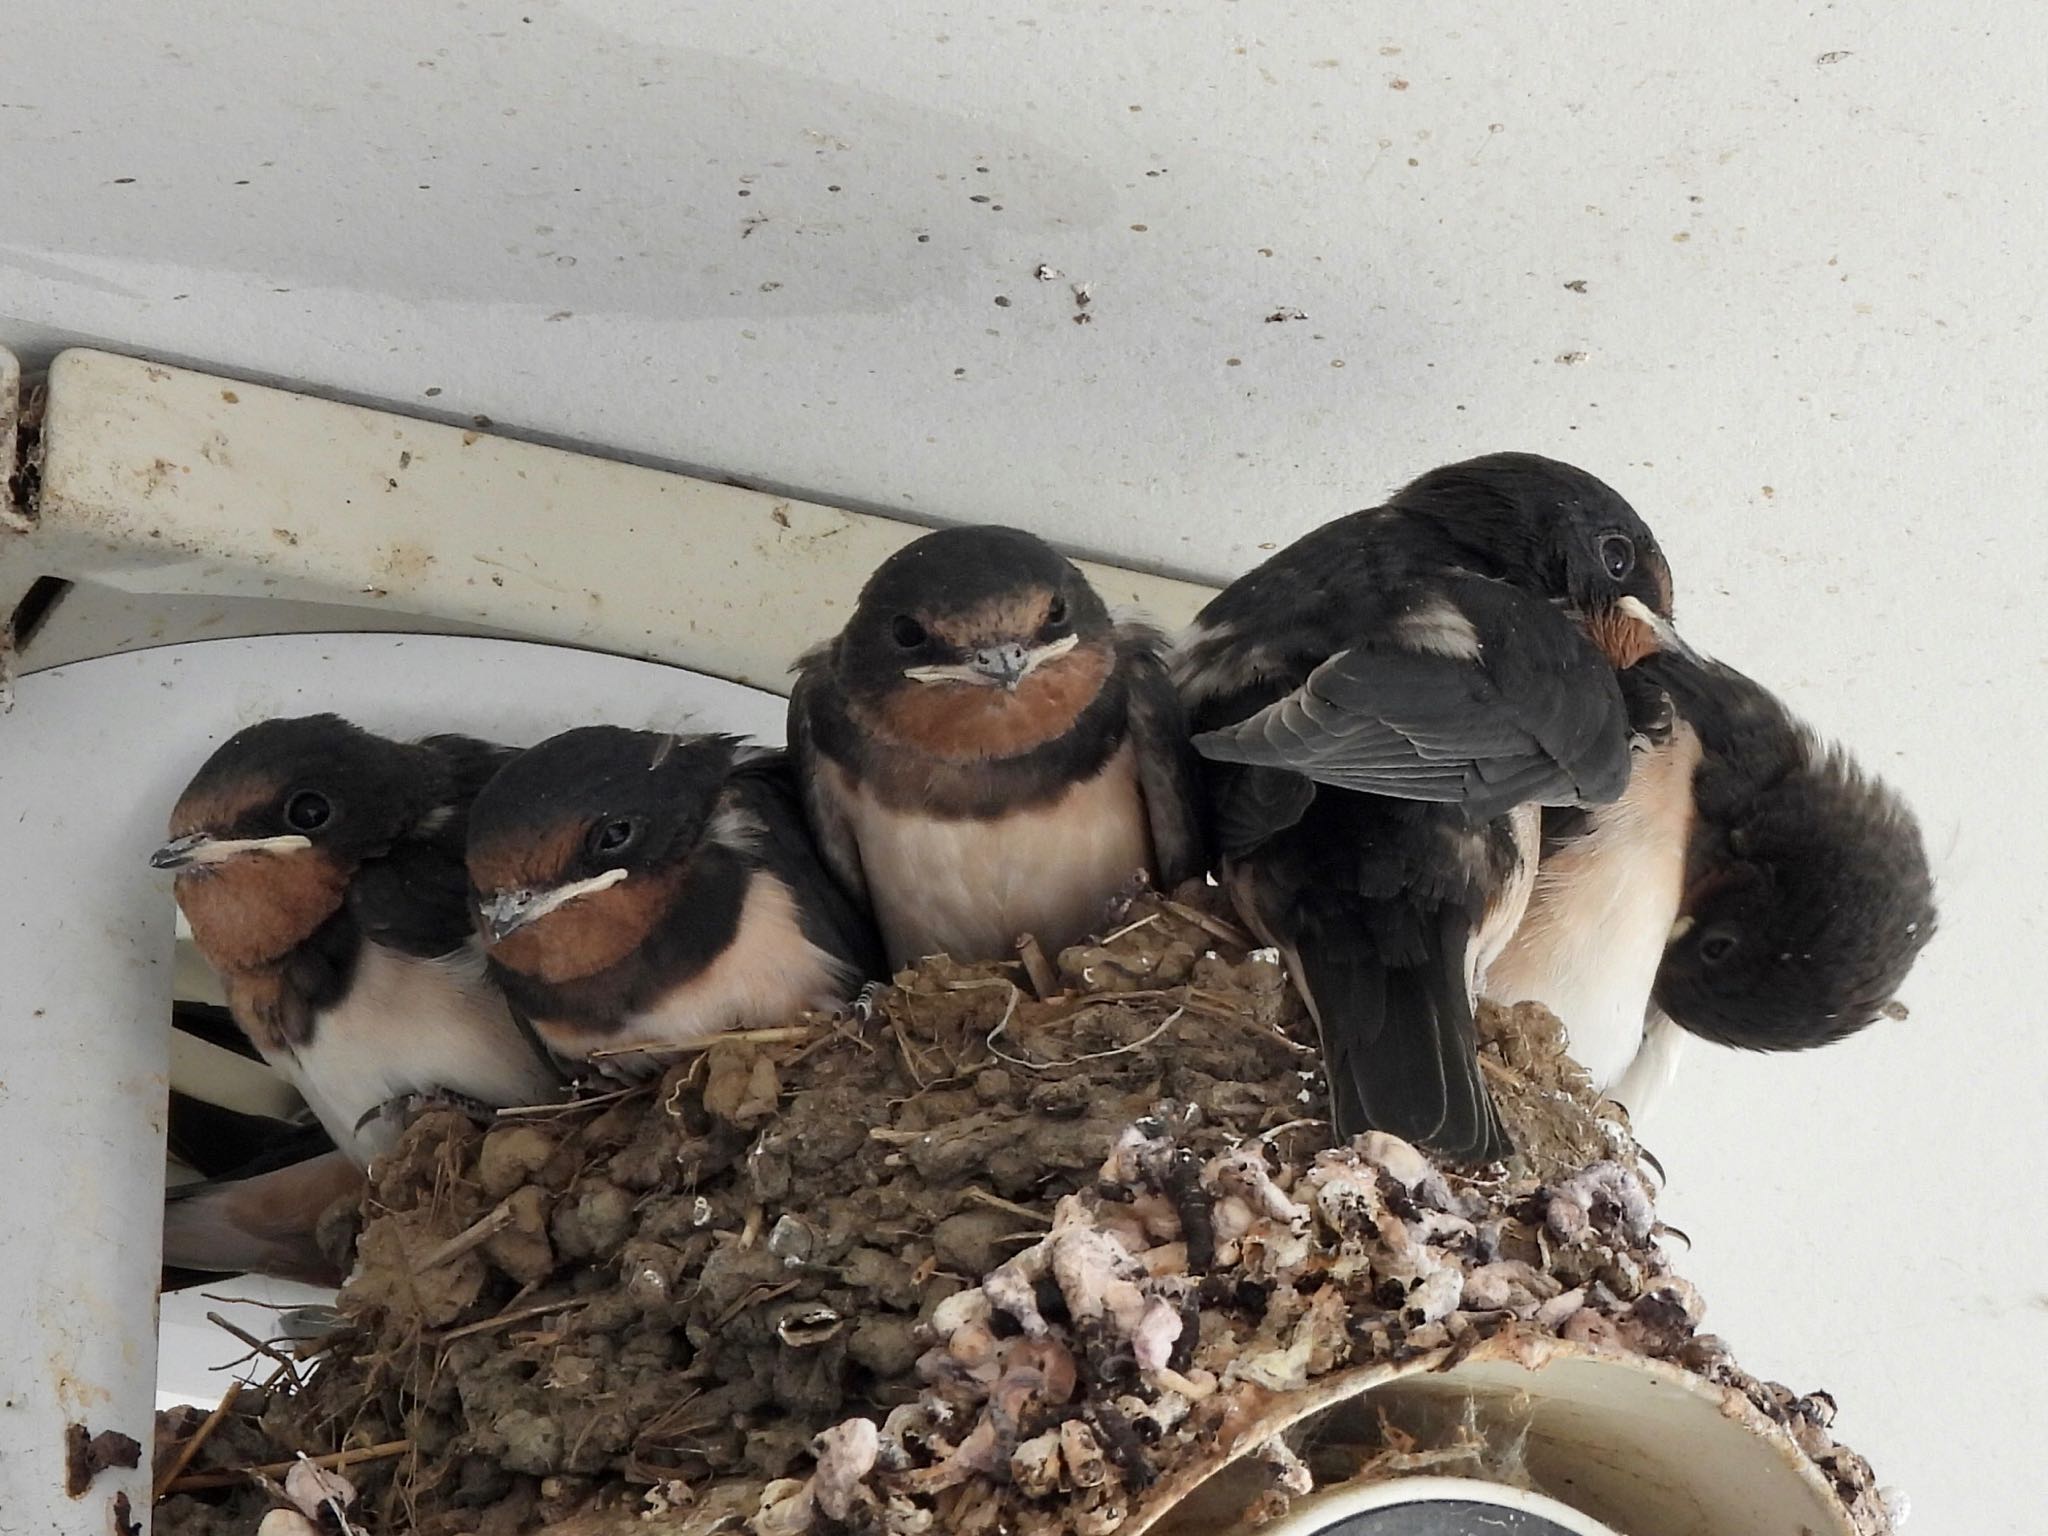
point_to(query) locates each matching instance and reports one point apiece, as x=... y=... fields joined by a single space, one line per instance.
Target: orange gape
x=960 y=722
x=593 y=932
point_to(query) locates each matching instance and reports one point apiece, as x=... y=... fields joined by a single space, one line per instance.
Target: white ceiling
x=1807 y=346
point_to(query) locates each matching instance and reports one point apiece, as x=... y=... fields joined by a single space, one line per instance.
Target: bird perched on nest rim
x=320 y=869
x=636 y=888
x=1753 y=887
x=985 y=753
x=1382 y=706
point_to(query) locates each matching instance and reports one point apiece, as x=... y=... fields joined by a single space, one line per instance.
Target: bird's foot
x=402 y=1110
x=862 y=1008
x=625 y=1066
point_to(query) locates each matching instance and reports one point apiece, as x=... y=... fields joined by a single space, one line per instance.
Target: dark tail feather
x=1472 y=1128
x=1399 y=1043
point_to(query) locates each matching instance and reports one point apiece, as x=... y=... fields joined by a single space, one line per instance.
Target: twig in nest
x=191 y=1447
x=276 y=1469
x=1045 y=981
x=1215 y=927
x=567 y=1106
x=1291 y=1125
x=841 y=1028
x=760 y=1295
x=914 y=1060
x=1011 y=1206
x=1046 y=1066
x=1503 y=1072
x=267 y=1350
x=477 y=1233
x=1146 y=921
x=514 y=1315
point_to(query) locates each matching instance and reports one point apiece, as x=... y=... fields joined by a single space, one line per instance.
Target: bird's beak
x=1679 y=929
x=198 y=848
x=996 y=666
x=506 y=912
x=1668 y=638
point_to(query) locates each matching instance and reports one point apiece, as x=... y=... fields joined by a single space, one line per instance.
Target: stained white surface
x=1825 y=396
x=169 y=480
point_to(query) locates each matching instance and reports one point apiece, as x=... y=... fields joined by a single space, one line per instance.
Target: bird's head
x=271 y=828
x=579 y=846
x=1563 y=534
x=975 y=642
x=1807 y=891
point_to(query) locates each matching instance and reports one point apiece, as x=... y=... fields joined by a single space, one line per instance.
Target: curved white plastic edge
x=1642 y=1445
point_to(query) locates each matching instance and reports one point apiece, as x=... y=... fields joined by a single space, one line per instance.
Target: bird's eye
x=612 y=836
x=1716 y=945
x=907 y=632
x=1056 y=613
x=1617 y=555
x=307 y=811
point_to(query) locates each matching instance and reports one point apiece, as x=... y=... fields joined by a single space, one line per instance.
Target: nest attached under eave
x=1015 y=1254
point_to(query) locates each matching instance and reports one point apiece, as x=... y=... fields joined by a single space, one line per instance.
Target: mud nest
x=1002 y=1256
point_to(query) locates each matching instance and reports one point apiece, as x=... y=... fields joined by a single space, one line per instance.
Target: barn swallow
x=1383 y=705
x=1754 y=887
x=320 y=869
x=263 y=1221
x=985 y=753
x=1606 y=893
x=641 y=889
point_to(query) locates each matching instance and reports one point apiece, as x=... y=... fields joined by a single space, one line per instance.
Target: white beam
x=162 y=480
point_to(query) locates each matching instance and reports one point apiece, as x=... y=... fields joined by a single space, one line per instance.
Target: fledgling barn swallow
x=320 y=869
x=641 y=889
x=1753 y=887
x=1383 y=706
x=985 y=753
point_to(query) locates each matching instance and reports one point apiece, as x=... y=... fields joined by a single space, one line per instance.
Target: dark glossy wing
x=830 y=826
x=472 y=763
x=1526 y=711
x=414 y=900
x=1253 y=804
x=831 y=915
x=1167 y=765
